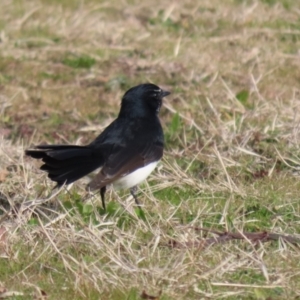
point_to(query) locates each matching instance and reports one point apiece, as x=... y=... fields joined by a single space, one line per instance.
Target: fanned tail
x=66 y=163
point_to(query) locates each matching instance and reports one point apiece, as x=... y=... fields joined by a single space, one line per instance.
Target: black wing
x=125 y=160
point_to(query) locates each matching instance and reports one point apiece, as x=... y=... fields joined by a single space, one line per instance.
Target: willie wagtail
x=126 y=152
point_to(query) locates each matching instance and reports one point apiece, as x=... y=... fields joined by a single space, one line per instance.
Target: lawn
x=231 y=164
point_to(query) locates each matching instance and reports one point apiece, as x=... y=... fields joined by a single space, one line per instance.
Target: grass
x=232 y=148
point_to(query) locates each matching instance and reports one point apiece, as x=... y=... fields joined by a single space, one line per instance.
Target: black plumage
x=132 y=141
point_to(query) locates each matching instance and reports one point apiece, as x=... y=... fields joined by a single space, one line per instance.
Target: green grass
x=79 y=62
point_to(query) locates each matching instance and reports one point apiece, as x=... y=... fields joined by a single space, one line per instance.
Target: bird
x=124 y=154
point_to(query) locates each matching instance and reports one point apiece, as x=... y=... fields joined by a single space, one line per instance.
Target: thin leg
x=132 y=192
x=102 y=194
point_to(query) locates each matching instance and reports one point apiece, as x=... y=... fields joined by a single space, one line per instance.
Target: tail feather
x=68 y=176
x=66 y=163
x=69 y=153
x=53 y=164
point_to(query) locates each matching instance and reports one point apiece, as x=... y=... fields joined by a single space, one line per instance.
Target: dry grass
x=232 y=159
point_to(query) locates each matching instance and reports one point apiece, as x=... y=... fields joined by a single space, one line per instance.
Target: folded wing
x=124 y=161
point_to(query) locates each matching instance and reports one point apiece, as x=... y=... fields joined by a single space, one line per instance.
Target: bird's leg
x=102 y=194
x=132 y=192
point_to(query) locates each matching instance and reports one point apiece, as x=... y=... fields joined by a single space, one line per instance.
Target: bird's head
x=143 y=99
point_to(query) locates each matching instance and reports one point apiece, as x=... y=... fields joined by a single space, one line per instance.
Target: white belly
x=135 y=177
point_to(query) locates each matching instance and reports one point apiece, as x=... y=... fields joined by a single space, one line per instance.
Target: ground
x=232 y=149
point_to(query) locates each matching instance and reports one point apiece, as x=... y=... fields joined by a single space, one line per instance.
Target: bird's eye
x=156 y=93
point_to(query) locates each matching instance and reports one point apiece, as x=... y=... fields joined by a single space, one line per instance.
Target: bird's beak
x=164 y=93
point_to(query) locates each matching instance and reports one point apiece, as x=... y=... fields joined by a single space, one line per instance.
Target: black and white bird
x=126 y=152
